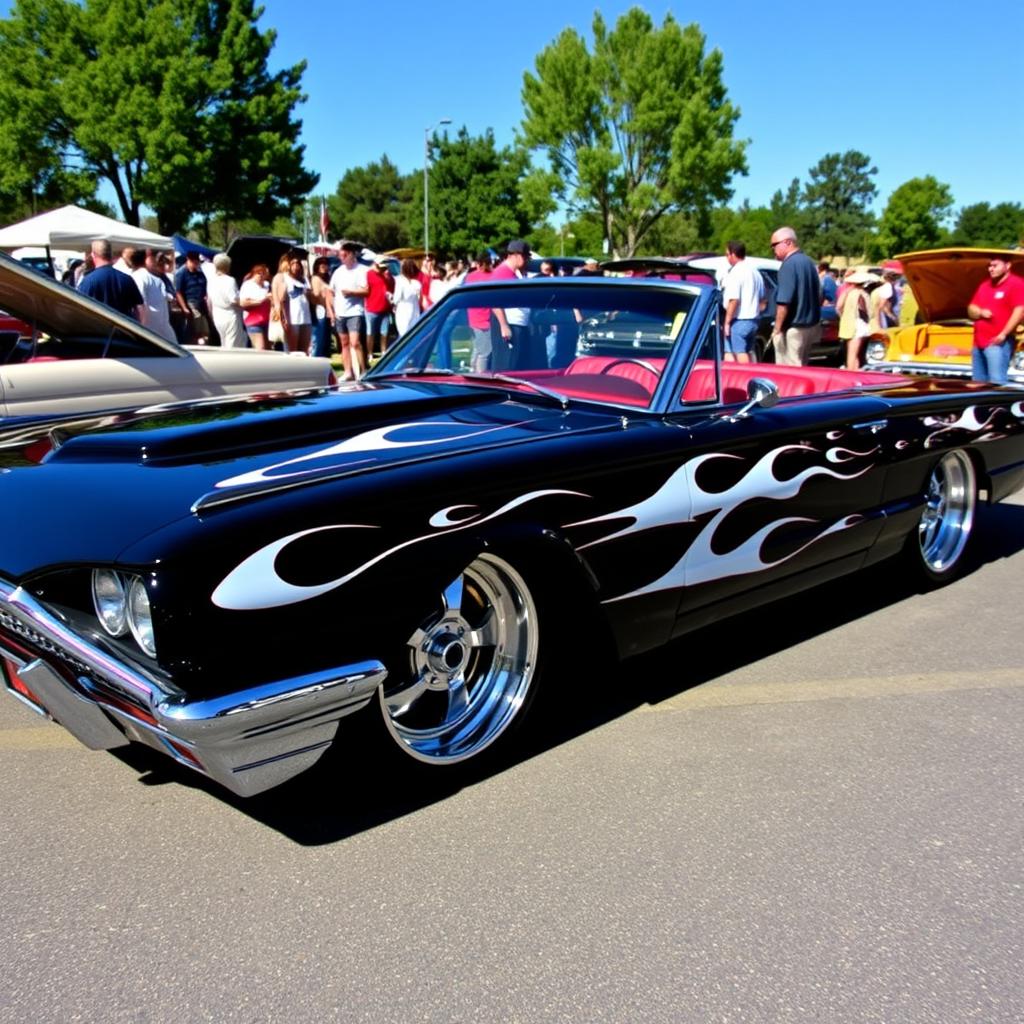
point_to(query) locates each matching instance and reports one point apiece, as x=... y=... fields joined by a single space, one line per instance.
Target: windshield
x=596 y=342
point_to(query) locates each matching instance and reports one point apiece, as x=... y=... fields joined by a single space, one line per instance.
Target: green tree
x=786 y=208
x=675 y=234
x=752 y=225
x=989 y=227
x=637 y=128
x=169 y=101
x=475 y=196
x=373 y=204
x=835 y=205
x=913 y=216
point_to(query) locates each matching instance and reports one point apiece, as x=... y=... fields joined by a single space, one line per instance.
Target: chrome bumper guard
x=961 y=370
x=248 y=741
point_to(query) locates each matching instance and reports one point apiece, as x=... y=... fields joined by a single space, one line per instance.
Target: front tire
x=468 y=673
x=940 y=544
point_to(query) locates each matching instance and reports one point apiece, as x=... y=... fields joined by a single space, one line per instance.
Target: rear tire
x=939 y=546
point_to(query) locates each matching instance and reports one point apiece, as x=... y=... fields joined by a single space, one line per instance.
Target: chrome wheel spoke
x=453 y=595
x=458 y=699
x=484 y=634
x=399 y=702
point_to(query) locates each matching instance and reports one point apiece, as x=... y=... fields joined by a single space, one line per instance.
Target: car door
x=778 y=493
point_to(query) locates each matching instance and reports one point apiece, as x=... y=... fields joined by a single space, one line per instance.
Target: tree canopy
x=169 y=101
x=639 y=127
x=475 y=196
x=913 y=217
x=373 y=204
x=988 y=226
x=835 y=201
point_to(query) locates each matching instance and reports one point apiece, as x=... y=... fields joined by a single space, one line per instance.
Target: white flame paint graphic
x=370 y=442
x=256 y=584
x=681 y=499
x=970 y=420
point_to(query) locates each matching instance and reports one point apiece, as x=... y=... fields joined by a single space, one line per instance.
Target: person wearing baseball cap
x=514 y=323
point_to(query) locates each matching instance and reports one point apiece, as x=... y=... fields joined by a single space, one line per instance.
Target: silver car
x=70 y=354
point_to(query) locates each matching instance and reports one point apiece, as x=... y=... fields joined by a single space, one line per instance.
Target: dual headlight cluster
x=874 y=351
x=122 y=606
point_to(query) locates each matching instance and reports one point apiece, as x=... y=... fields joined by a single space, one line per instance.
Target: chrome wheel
x=948 y=515
x=469 y=666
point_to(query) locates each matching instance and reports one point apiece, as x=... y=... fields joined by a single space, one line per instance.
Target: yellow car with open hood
x=940 y=343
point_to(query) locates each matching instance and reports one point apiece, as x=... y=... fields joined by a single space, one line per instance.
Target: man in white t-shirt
x=156 y=314
x=349 y=289
x=743 y=295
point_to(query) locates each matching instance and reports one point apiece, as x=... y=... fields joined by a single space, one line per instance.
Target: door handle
x=871 y=426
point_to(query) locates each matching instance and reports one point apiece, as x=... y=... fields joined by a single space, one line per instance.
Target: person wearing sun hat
x=854 y=309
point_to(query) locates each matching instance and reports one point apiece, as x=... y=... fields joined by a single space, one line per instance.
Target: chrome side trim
x=248 y=741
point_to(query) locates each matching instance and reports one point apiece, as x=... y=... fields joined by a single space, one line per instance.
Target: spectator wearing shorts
x=743 y=295
x=381 y=285
x=254 y=298
x=349 y=287
x=190 y=287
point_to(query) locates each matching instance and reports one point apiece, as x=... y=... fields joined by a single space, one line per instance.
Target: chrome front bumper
x=960 y=370
x=248 y=741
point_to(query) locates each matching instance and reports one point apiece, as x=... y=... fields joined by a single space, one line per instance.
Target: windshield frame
x=678 y=359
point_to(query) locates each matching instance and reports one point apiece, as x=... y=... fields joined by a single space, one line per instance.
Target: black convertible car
x=420 y=552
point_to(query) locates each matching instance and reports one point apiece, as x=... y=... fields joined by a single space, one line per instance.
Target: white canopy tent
x=71 y=227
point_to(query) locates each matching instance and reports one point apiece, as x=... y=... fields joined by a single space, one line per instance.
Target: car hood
x=943 y=280
x=132 y=474
x=42 y=302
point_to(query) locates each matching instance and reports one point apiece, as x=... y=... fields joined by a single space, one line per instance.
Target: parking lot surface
x=811 y=813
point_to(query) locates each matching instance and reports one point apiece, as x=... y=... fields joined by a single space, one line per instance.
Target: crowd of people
x=355 y=306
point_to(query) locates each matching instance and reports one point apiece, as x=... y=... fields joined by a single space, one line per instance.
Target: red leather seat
x=790 y=380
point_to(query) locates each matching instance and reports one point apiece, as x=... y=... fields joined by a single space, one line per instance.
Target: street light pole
x=426 y=180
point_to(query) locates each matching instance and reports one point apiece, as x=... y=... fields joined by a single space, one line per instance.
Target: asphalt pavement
x=809 y=813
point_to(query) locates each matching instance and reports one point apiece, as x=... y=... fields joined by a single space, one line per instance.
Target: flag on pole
x=325 y=221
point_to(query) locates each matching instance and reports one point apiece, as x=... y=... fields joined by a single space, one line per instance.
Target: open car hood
x=943 y=280
x=50 y=307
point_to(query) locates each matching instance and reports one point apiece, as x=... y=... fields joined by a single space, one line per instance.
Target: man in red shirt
x=377 y=306
x=997 y=309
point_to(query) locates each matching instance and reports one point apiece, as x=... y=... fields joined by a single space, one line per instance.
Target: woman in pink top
x=254 y=298
x=480 y=317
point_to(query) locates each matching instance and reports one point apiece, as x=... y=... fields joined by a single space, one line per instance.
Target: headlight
x=875 y=351
x=140 y=618
x=110 y=601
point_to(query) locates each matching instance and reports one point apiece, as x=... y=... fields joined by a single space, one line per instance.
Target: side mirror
x=762 y=393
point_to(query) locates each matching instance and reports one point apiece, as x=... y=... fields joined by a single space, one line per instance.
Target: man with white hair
x=797 y=301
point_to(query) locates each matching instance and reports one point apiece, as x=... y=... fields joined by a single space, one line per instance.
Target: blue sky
x=921 y=88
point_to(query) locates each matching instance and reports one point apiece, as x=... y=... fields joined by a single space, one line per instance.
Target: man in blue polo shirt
x=190 y=291
x=797 y=301
x=110 y=286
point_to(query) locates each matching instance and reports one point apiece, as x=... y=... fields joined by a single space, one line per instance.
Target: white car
x=64 y=353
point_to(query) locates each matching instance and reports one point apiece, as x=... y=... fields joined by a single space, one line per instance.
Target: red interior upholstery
x=791 y=380
x=617 y=379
